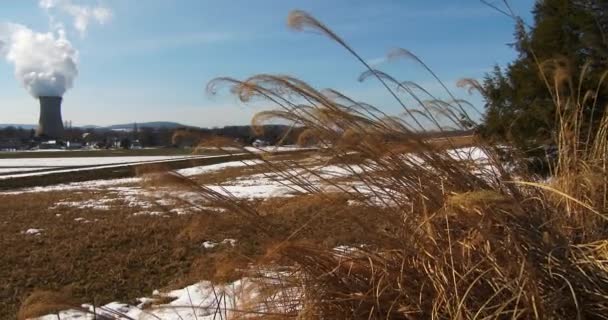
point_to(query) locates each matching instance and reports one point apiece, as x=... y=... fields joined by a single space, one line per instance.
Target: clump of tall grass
x=474 y=239
x=40 y=303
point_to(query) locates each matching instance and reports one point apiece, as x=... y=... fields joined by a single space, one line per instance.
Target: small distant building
x=50 y=144
x=94 y=144
x=115 y=143
x=10 y=144
x=74 y=145
x=258 y=143
x=136 y=145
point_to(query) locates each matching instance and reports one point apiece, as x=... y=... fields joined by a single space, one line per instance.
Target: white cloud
x=83 y=15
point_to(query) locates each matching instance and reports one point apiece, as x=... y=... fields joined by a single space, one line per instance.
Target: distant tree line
x=155 y=137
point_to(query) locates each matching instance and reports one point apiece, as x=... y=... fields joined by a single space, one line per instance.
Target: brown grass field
x=99 y=256
x=114 y=255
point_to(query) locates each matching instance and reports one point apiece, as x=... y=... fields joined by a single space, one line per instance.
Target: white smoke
x=83 y=15
x=46 y=64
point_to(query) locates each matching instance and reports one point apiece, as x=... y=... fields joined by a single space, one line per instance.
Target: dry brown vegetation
x=467 y=240
x=432 y=234
x=115 y=255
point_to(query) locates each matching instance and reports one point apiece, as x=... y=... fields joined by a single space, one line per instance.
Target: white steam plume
x=45 y=63
x=83 y=15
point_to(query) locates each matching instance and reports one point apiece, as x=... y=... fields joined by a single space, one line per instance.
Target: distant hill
x=23 y=126
x=122 y=127
x=154 y=124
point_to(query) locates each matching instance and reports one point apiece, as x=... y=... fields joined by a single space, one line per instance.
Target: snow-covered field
x=36 y=164
x=129 y=191
x=6 y=170
x=43 y=166
x=21 y=167
x=79 y=161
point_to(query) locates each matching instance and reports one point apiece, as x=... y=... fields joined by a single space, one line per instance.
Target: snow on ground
x=259 y=149
x=469 y=153
x=216 y=167
x=71 y=165
x=4 y=170
x=93 y=185
x=128 y=191
x=79 y=161
x=256 y=186
x=202 y=301
x=213 y=244
x=158 y=201
x=33 y=231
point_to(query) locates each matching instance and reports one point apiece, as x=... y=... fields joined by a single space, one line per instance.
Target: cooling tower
x=50 y=124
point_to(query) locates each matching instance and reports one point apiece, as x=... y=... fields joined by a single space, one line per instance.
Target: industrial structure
x=50 y=125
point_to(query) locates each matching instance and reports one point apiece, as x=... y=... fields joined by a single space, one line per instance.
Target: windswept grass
x=469 y=239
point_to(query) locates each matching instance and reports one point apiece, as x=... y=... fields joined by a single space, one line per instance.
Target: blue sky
x=152 y=60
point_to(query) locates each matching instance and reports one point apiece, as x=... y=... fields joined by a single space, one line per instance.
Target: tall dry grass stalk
x=582 y=140
x=473 y=239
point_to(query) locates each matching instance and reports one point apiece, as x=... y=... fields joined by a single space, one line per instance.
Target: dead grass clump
x=475 y=198
x=41 y=303
x=228 y=174
x=325 y=220
x=469 y=236
x=186 y=137
x=218 y=142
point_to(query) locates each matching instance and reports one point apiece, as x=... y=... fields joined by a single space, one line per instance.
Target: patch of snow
x=82 y=161
x=213 y=244
x=469 y=153
x=209 y=244
x=148 y=213
x=261 y=149
x=231 y=242
x=96 y=204
x=74 y=186
x=33 y=231
x=277 y=148
x=202 y=301
x=21 y=169
x=216 y=167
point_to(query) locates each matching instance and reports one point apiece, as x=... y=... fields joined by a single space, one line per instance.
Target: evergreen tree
x=519 y=105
